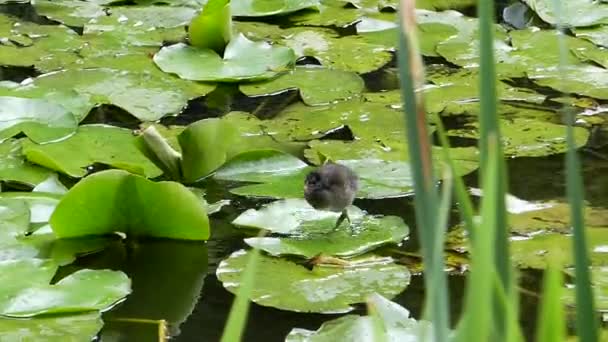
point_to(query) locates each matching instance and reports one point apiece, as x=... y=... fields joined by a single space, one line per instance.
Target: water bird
x=332 y=187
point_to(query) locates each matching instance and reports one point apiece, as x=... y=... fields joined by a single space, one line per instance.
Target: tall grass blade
x=551 y=326
x=586 y=324
x=475 y=324
x=489 y=126
x=412 y=78
x=237 y=318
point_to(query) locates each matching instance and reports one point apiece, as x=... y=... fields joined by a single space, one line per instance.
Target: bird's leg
x=343 y=215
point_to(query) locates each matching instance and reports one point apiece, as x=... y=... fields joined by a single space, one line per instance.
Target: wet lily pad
x=69 y=12
x=579 y=12
x=40 y=120
x=264 y=8
x=85 y=290
x=350 y=53
x=212 y=28
x=14 y=167
x=147 y=96
x=396 y=321
x=598 y=35
x=82 y=327
x=311 y=232
x=96 y=206
x=237 y=63
x=536 y=251
x=285 y=285
x=523 y=137
x=599 y=281
x=91 y=144
x=318 y=86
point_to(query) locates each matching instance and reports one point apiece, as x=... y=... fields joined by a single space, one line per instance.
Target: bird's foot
x=343 y=216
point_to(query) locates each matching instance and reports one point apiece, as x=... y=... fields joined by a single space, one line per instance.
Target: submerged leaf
x=282 y=284
x=116 y=200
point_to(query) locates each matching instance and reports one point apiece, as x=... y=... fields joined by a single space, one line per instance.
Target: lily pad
x=318 y=86
x=69 y=12
x=523 y=137
x=264 y=8
x=579 y=12
x=147 y=96
x=285 y=285
x=85 y=290
x=97 y=205
x=40 y=120
x=14 y=167
x=350 y=53
x=395 y=320
x=82 y=327
x=242 y=60
x=311 y=232
x=91 y=144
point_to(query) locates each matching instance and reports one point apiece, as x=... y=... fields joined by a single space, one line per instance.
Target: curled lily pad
x=243 y=60
x=85 y=290
x=40 y=120
x=81 y=327
x=116 y=200
x=91 y=144
x=394 y=319
x=264 y=8
x=318 y=86
x=283 y=284
x=311 y=232
x=212 y=28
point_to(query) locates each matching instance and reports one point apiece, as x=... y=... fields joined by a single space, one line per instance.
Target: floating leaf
x=523 y=137
x=82 y=327
x=311 y=232
x=40 y=120
x=85 y=290
x=91 y=144
x=579 y=12
x=69 y=12
x=264 y=8
x=14 y=167
x=285 y=285
x=318 y=86
x=116 y=200
x=395 y=320
x=243 y=60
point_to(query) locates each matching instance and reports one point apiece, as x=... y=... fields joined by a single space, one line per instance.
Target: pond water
x=176 y=281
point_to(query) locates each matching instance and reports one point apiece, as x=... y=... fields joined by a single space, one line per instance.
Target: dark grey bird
x=331 y=187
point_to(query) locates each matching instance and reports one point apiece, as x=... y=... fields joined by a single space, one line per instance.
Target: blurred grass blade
x=237 y=318
x=586 y=321
x=412 y=78
x=550 y=325
x=475 y=324
x=489 y=126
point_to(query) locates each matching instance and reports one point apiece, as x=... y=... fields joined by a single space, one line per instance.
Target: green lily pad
x=598 y=35
x=212 y=28
x=148 y=18
x=318 y=86
x=147 y=96
x=285 y=285
x=96 y=206
x=599 y=283
x=395 y=320
x=311 y=232
x=329 y=13
x=587 y=80
x=91 y=144
x=523 y=137
x=69 y=12
x=264 y=8
x=85 y=290
x=243 y=60
x=538 y=250
x=579 y=12
x=14 y=167
x=350 y=53
x=82 y=327
x=40 y=120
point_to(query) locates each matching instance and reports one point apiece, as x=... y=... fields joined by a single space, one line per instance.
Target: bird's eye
x=313 y=178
